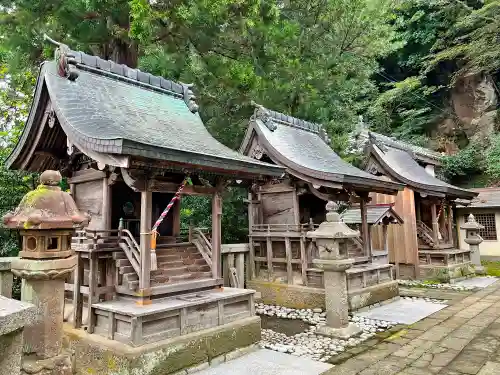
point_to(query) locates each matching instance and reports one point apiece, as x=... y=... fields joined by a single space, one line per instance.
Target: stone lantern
x=331 y=239
x=46 y=218
x=473 y=239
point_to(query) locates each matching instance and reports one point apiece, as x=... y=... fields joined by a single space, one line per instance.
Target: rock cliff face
x=473 y=102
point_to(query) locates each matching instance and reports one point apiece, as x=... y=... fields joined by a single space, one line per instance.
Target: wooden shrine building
x=126 y=140
x=283 y=210
x=426 y=244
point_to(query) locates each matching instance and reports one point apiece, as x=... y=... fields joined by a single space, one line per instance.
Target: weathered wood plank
x=269 y=248
x=303 y=260
x=92 y=290
x=240 y=269
x=289 y=269
x=77 y=296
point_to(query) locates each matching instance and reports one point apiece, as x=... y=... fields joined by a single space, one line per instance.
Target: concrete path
x=268 y=362
x=463 y=338
x=403 y=311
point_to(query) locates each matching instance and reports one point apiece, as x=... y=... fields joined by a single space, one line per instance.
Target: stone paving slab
x=268 y=362
x=462 y=339
x=478 y=282
x=403 y=311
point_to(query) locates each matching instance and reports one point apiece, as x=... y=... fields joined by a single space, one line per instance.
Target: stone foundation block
x=100 y=356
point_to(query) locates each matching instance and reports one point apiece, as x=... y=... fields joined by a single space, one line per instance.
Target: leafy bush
x=492 y=158
x=466 y=162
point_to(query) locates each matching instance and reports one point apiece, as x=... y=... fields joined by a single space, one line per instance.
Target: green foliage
x=492 y=158
x=492 y=268
x=466 y=162
x=195 y=210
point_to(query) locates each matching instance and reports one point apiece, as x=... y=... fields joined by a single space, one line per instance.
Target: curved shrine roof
x=402 y=167
x=302 y=147
x=115 y=110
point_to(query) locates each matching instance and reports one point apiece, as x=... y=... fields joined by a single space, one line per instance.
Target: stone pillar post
x=6 y=277
x=473 y=239
x=14 y=316
x=333 y=260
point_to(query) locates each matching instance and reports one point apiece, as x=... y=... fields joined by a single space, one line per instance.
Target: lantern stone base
x=351 y=330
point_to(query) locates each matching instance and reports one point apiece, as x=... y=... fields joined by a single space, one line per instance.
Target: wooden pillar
x=145 y=276
x=106 y=204
x=216 y=235
x=418 y=210
x=251 y=254
x=385 y=239
x=365 y=230
x=450 y=225
x=442 y=221
x=77 y=294
x=176 y=219
x=435 y=224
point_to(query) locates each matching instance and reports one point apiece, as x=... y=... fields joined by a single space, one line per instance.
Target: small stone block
x=15 y=315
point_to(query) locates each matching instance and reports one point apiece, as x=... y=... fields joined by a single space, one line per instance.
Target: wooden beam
x=86 y=176
x=171 y=187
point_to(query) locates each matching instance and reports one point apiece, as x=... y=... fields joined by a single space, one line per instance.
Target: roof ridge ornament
x=65 y=60
x=262 y=113
x=189 y=97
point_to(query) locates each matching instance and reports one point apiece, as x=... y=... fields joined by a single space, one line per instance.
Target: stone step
x=132 y=276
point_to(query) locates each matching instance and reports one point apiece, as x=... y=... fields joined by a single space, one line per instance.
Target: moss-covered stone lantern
x=330 y=238
x=46 y=218
x=473 y=239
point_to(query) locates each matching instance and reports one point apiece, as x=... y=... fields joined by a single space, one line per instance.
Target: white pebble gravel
x=308 y=344
x=420 y=284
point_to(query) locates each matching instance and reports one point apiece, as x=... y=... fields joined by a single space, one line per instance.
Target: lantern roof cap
x=333 y=227
x=46 y=207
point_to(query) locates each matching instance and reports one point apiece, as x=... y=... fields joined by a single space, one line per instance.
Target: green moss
x=492 y=268
x=34 y=195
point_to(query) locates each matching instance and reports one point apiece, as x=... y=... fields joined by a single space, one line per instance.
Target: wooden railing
x=199 y=239
x=425 y=233
x=283 y=228
x=233 y=264
x=131 y=249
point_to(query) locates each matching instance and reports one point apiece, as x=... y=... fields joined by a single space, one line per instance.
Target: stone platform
x=445 y=265
x=367 y=284
x=95 y=354
x=124 y=321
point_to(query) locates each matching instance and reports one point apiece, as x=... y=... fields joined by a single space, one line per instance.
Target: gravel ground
x=309 y=345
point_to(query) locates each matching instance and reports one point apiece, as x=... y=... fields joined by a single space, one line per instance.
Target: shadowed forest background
x=426 y=71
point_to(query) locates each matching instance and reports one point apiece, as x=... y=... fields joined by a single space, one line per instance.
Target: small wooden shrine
x=126 y=141
x=283 y=210
x=426 y=244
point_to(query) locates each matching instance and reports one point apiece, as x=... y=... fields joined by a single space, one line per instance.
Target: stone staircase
x=177 y=262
